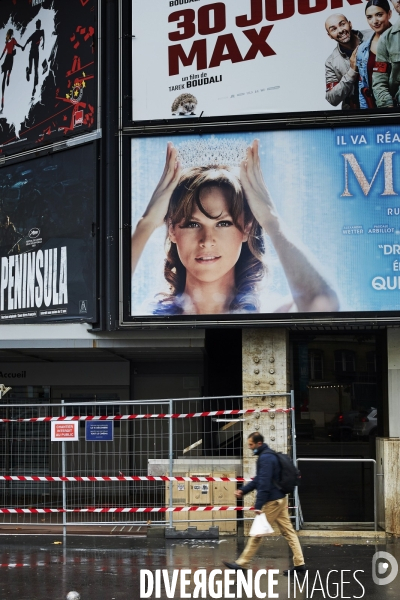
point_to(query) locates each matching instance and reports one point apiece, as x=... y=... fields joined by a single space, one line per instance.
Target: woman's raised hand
x=158 y=205
x=255 y=189
x=310 y=290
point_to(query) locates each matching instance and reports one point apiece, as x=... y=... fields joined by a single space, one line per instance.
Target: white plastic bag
x=260 y=526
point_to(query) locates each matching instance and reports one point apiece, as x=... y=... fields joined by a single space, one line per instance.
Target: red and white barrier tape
x=121 y=478
x=19 y=565
x=210 y=413
x=35 y=511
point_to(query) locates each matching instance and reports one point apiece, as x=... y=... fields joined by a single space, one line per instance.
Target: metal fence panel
x=195 y=446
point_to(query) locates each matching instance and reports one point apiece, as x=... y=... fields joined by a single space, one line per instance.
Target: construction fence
x=168 y=462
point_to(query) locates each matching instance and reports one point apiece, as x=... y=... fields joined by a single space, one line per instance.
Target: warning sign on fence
x=64 y=432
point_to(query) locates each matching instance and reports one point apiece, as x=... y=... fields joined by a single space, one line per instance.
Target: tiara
x=212 y=151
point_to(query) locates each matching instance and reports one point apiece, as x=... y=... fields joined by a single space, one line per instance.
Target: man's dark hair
x=256 y=437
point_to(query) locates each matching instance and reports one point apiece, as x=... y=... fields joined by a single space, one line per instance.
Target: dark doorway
x=223 y=377
x=339 y=396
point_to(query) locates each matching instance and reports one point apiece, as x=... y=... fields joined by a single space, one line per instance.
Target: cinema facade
x=272 y=287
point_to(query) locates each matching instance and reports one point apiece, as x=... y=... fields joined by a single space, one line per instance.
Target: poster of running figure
x=47 y=71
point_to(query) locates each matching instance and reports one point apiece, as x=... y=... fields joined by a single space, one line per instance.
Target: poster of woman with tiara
x=212 y=215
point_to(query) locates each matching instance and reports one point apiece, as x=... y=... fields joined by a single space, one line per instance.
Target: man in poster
x=387 y=69
x=8 y=237
x=341 y=72
x=34 y=40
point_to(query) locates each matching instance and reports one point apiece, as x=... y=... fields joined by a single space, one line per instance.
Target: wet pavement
x=102 y=568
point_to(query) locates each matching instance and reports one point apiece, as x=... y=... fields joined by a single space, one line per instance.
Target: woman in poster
x=6 y=67
x=216 y=223
x=378 y=15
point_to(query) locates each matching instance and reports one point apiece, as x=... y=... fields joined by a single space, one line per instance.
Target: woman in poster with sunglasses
x=215 y=236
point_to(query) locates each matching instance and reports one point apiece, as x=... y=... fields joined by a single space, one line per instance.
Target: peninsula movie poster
x=48 y=238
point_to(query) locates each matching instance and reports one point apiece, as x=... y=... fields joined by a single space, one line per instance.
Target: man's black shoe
x=233 y=566
x=299 y=569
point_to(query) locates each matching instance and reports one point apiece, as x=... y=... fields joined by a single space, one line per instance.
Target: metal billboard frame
x=206 y=321
x=274 y=120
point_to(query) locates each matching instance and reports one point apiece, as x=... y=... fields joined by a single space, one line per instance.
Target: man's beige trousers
x=276 y=512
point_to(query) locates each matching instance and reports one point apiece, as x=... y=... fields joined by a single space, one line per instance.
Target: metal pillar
x=64 y=489
x=294 y=456
x=171 y=458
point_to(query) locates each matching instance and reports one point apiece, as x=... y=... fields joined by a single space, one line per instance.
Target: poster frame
x=324 y=118
x=349 y=318
x=23 y=149
x=96 y=228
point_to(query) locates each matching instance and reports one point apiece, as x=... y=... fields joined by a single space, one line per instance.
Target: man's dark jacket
x=268 y=471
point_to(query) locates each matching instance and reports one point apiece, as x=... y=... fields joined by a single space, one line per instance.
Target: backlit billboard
x=48 y=71
x=264 y=223
x=48 y=238
x=201 y=58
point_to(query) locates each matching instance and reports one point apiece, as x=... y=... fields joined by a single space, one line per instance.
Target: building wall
x=394 y=381
x=388 y=448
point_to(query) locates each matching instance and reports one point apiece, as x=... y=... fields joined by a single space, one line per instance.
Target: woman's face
x=378 y=19
x=209 y=248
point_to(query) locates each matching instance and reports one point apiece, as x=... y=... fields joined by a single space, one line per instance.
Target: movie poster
x=266 y=223
x=47 y=238
x=48 y=71
x=241 y=57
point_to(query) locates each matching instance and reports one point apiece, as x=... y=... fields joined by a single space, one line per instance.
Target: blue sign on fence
x=99 y=431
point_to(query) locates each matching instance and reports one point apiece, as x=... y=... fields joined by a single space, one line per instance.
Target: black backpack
x=290 y=476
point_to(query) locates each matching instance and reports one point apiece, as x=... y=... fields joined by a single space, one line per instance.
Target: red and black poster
x=47 y=71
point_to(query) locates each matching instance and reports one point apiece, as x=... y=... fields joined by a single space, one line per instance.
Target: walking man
x=271 y=501
x=35 y=39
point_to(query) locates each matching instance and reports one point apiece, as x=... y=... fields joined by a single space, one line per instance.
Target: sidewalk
x=104 y=568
